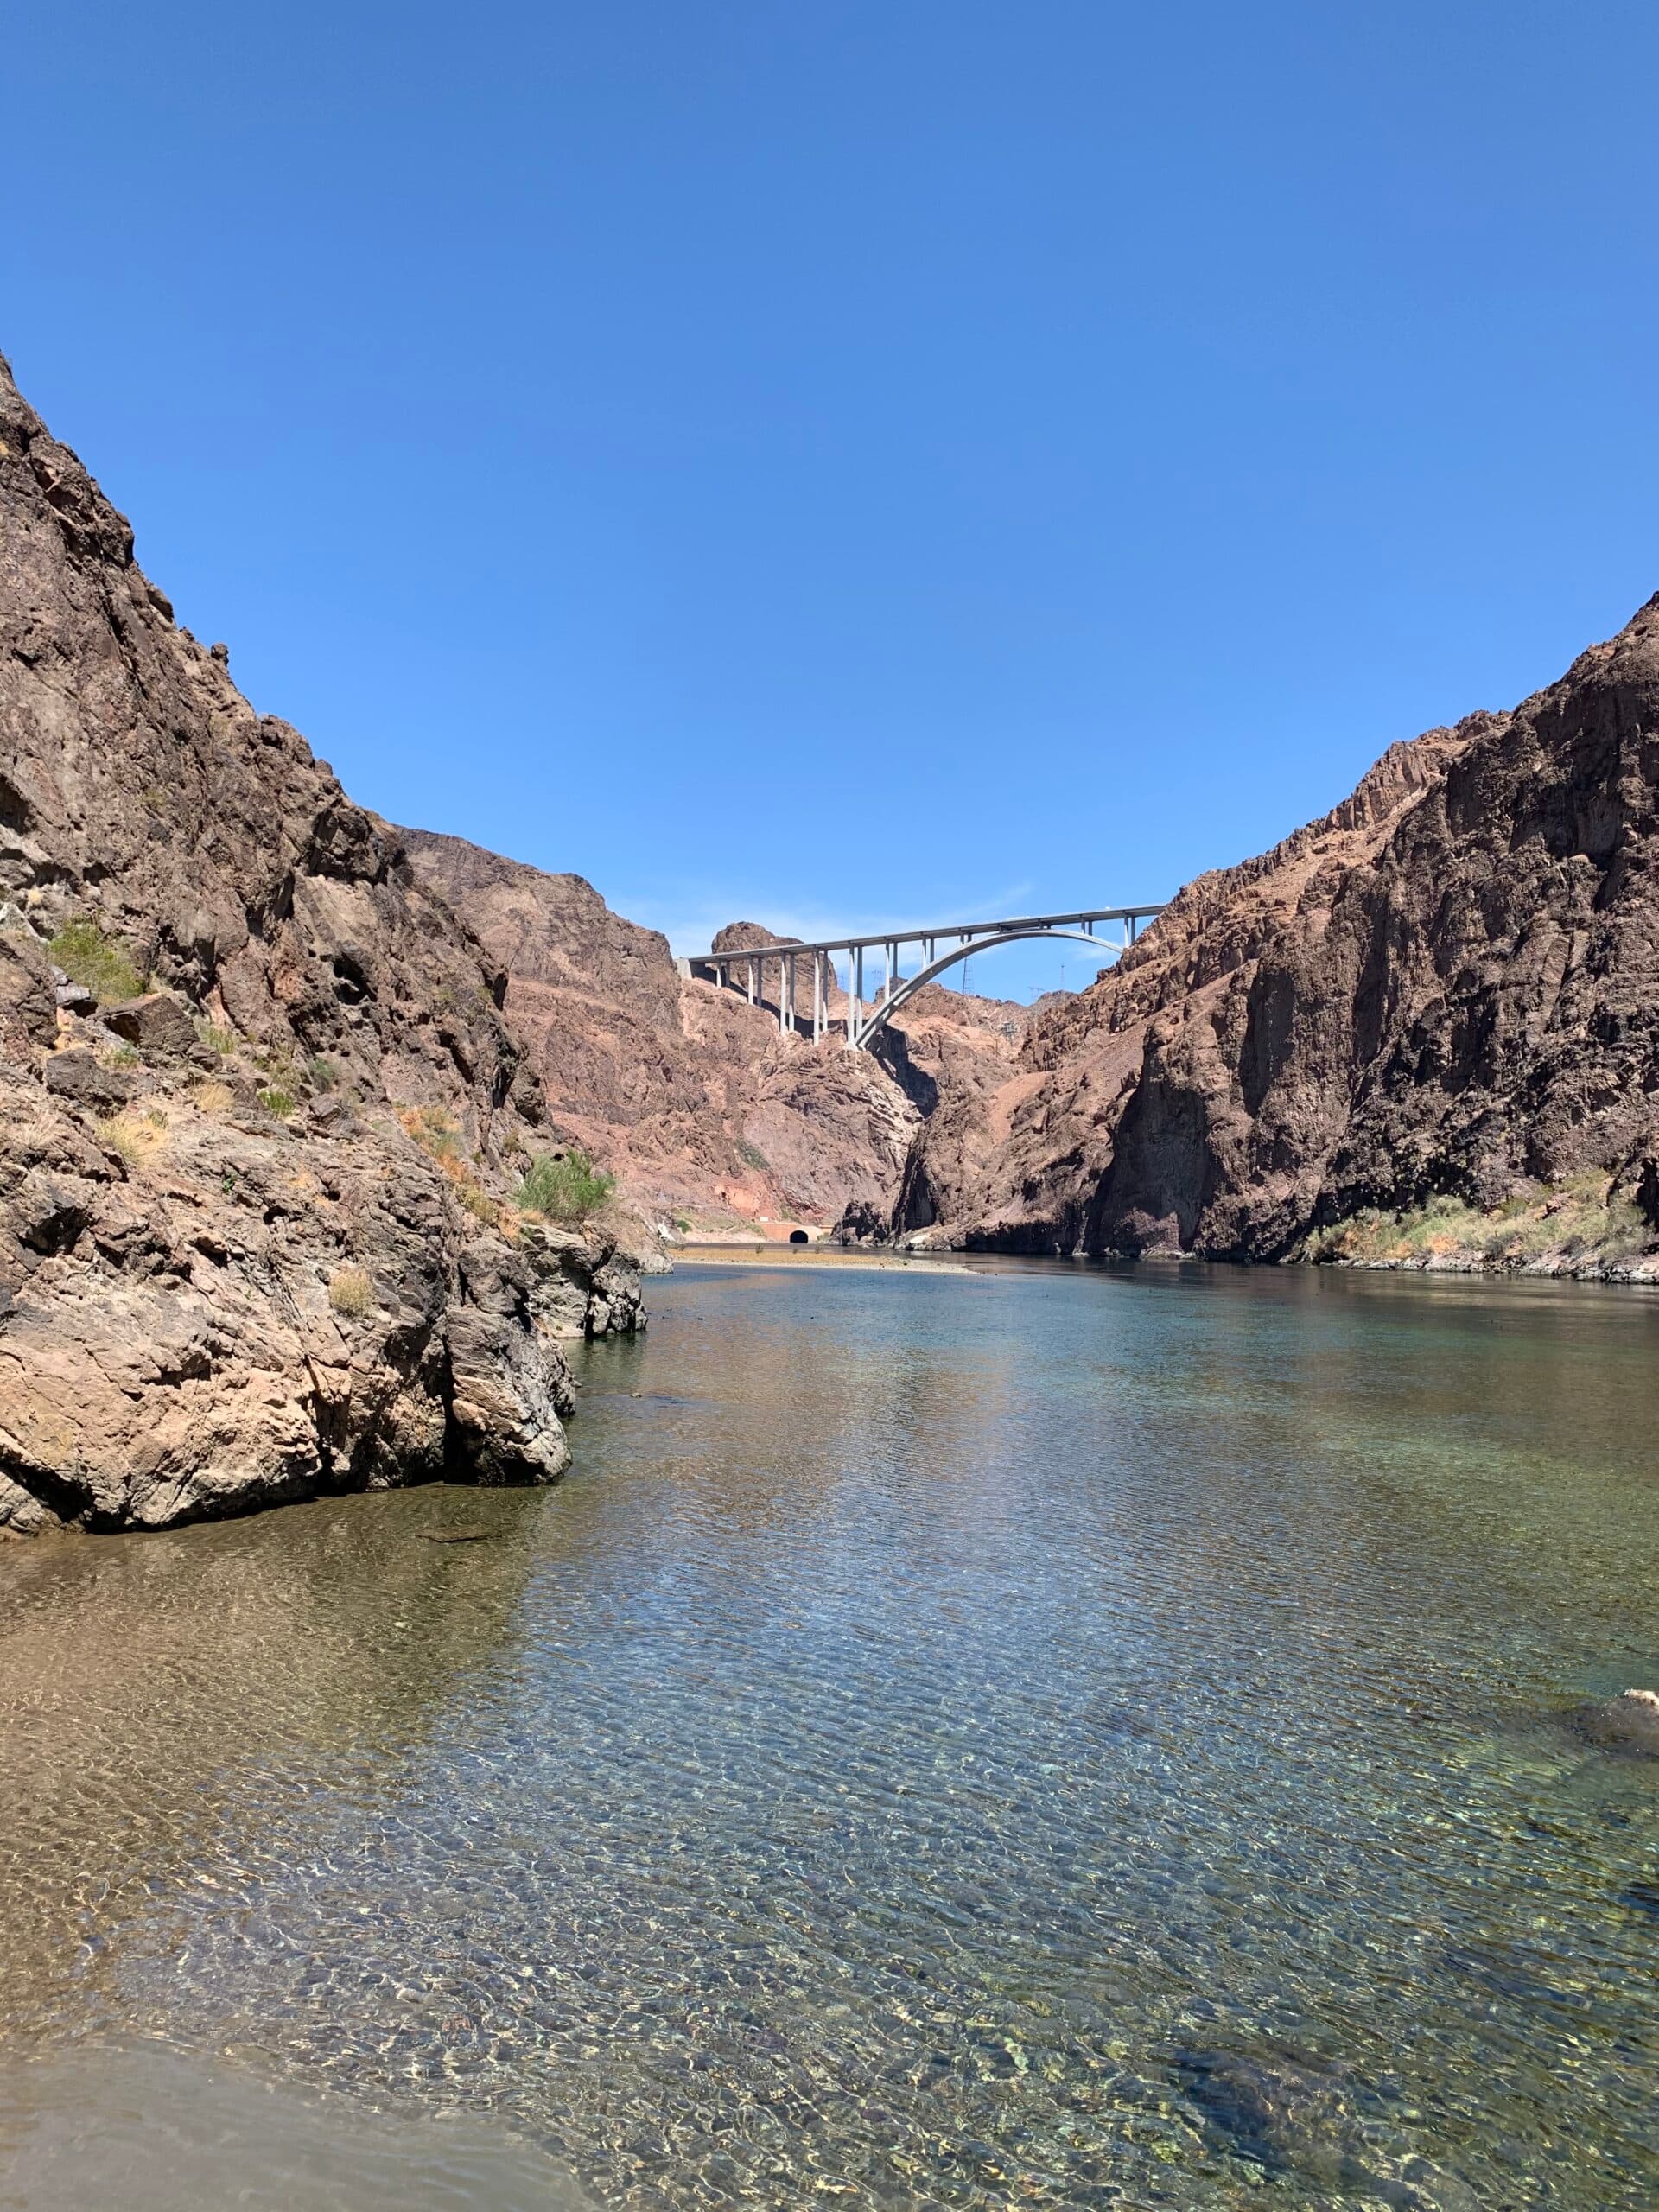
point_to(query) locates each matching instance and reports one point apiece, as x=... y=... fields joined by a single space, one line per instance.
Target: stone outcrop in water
x=260 y=1111
x=1629 y=1722
x=1424 y=1030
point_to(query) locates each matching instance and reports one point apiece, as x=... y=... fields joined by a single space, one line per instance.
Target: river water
x=1014 y=1736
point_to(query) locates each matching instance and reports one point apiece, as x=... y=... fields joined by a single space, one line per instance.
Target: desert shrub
x=752 y=1155
x=216 y=1038
x=434 y=1130
x=101 y=965
x=565 y=1186
x=213 y=1096
x=322 y=1072
x=350 y=1291
x=439 y=1137
x=1574 y=1221
x=276 y=1100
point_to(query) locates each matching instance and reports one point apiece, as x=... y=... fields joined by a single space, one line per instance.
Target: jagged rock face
x=689 y=1094
x=238 y=1271
x=1449 y=985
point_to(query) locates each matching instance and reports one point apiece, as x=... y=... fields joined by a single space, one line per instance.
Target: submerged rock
x=1300 y=2120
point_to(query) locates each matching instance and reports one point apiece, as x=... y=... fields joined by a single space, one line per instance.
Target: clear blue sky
x=843 y=463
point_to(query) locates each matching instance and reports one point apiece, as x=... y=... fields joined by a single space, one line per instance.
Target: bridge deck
x=938 y=934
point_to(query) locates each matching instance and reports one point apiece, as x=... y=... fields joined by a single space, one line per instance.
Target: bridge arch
x=865 y=1019
x=883 y=1010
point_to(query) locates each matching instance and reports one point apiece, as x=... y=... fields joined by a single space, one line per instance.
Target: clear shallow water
x=1023 y=1737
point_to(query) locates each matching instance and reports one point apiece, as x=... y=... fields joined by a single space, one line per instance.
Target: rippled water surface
x=1011 y=1737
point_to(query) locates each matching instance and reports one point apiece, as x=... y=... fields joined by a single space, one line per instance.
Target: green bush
x=323 y=1073
x=219 y=1040
x=565 y=1186
x=276 y=1100
x=87 y=956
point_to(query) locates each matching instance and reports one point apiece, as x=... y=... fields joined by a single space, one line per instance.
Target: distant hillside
x=705 y=1112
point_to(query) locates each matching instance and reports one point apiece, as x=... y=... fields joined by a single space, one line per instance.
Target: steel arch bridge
x=785 y=964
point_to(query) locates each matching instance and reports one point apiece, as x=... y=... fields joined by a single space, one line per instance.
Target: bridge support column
x=785 y=993
x=817 y=996
x=852 y=997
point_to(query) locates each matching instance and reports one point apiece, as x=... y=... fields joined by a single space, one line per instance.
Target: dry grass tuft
x=350 y=1291
x=213 y=1096
x=136 y=1137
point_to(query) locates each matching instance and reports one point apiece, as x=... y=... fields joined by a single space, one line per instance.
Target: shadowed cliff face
x=252 y=1164
x=691 y=1095
x=1446 y=990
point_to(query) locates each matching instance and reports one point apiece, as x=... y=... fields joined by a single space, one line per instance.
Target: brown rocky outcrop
x=1432 y=1012
x=254 y=1154
x=691 y=1095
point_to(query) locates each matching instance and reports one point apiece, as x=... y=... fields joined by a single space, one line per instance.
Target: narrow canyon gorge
x=272 y=1070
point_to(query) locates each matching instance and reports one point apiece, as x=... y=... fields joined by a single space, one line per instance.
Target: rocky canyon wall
x=1423 y=1030
x=255 y=1161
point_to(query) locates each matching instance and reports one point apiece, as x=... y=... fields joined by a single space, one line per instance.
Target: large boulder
x=80 y=1078
x=157 y=1022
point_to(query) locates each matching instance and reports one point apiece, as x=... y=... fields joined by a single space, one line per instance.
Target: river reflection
x=1025 y=1735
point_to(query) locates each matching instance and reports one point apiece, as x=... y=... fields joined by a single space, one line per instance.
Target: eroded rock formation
x=1424 y=1028
x=254 y=1154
